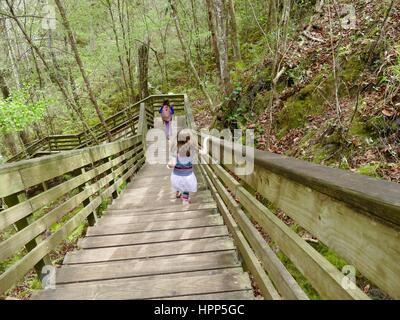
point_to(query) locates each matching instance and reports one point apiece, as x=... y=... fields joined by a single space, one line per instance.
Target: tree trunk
x=197 y=43
x=272 y=15
x=280 y=49
x=52 y=73
x=24 y=137
x=78 y=60
x=226 y=86
x=143 y=58
x=10 y=50
x=186 y=54
x=120 y=60
x=125 y=43
x=3 y=86
x=212 y=28
x=234 y=31
x=8 y=138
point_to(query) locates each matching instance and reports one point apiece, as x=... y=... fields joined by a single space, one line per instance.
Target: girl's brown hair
x=183 y=144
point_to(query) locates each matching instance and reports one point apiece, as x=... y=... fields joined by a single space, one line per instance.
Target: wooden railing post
x=49 y=143
x=131 y=122
x=92 y=217
x=115 y=193
x=142 y=126
x=11 y=201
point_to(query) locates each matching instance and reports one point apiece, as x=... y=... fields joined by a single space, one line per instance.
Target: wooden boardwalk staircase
x=296 y=229
x=150 y=246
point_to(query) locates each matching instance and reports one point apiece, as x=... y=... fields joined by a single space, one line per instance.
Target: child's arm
x=172 y=162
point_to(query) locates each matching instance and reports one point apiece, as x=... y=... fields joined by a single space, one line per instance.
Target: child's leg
x=167 y=128
x=185 y=196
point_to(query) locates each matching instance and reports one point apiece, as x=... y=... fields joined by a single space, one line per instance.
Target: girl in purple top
x=167 y=111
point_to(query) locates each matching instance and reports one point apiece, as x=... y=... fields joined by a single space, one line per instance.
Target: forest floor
x=369 y=141
x=363 y=137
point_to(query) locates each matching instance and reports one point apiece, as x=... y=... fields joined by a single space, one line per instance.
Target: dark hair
x=182 y=143
x=166 y=103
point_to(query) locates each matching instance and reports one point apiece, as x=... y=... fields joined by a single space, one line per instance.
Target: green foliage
x=35 y=284
x=19 y=111
x=369 y=169
x=306 y=103
x=299 y=277
x=77 y=233
x=395 y=69
x=233 y=109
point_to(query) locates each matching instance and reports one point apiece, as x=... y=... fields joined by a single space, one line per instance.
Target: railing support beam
x=11 y=201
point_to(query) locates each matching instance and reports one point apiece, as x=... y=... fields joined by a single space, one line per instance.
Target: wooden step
x=159 y=188
x=172 y=205
x=133 y=213
x=149 y=250
x=212 y=220
x=152 y=237
x=162 y=181
x=139 y=198
x=234 y=295
x=153 y=204
x=174 y=216
x=146 y=267
x=165 y=287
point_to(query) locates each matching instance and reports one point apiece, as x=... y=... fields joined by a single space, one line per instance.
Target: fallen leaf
x=389 y=112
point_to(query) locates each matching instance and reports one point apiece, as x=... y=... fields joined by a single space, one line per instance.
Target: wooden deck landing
x=150 y=246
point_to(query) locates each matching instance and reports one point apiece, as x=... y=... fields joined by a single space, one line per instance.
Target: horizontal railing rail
x=356 y=217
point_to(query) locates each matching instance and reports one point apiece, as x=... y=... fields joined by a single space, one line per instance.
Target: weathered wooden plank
x=126 y=219
x=152 y=237
x=234 y=295
x=11 y=181
x=23 y=223
x=156 y=226
x=341 y=226
x=146 y=267
x=130 y=213
x=282 y=279
x=17 y=241
x=171 y=208
x=25 y=208
x=324 y=277
x=344 y=230
x=159 y=188
x=160 y=195
x=161 y=181
x=35 y=171
x=266 y=286
x=19 y=269
x=151 y=289
x=137 y=203
x=149 y=250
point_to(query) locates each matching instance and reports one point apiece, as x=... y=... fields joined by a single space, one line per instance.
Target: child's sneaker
x=185 y=198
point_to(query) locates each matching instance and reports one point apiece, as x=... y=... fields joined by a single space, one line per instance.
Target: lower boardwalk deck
x=148 y=245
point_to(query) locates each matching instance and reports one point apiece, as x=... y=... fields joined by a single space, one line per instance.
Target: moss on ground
x=370 y=169
x=311 y=100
